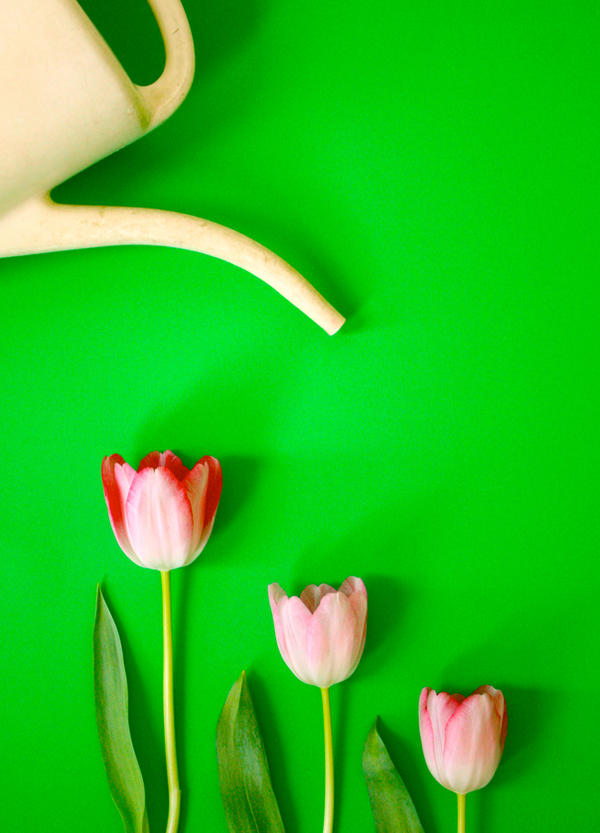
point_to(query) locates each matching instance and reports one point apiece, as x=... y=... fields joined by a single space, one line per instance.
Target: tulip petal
x=427 y=735
x=353 y=585
x=312 y=595
x=204 y=484
x=437 y=709
x=499 y=705
x=215 y=485
x=117 y=477
x=277 y=597
x=472 y=748
x=358 y=602
x=195 y=485
x=276 y=594
x=159 y=519
x=296 y=619
x=330 y=640
x=167 y=460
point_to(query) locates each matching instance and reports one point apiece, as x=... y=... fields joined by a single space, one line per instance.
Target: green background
x=433 y=169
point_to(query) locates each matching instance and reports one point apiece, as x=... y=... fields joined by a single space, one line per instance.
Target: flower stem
x=461 y=812
x=328 y=818
x=168 y=711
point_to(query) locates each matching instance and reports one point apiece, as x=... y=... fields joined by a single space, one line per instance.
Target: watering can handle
x=165 y=95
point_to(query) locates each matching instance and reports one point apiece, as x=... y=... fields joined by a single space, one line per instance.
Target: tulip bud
x=463 y=738
x=321 y=634
x=162 y=515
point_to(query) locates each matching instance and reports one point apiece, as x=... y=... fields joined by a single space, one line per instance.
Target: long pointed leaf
x=112 y=716
x=248 y=797
x=393 y=810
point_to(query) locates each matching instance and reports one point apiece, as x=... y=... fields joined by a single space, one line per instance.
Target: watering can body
x=67 y=102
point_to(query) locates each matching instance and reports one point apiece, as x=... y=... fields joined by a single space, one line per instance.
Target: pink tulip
x=321 y=635
x=463 y=738
x=162 y=515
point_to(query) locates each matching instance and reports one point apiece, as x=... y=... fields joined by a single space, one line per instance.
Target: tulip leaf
x=112 y=716
x=392 y=806
x=248 y=797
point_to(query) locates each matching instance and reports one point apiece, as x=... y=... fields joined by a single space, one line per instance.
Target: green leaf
x=112 y=716
x=248 y=797
x=391 y=804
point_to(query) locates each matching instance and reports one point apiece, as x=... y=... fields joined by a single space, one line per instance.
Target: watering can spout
x=41 y=225
x=63 y=115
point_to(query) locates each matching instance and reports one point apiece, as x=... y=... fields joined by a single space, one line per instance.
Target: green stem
x=168 y=711
x=328 y=817
x=461 y=812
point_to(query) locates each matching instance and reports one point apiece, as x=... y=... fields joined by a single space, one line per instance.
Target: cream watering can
x=66 y=103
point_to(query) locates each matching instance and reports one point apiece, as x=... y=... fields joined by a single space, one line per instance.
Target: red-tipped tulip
x=321 y=634
x=162 y=515
x=463 y=738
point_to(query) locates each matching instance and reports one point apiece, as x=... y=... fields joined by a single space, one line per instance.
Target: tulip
x=463 y=738
x=321 y=634
x=162 y=515
x=321 y=637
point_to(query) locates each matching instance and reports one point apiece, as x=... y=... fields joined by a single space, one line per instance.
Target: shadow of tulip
x=180 y=593
x=196 y=423
x=201 y=435
x=342 y=711
x=199 y=416
x=386 y=594
x=529 y=710
x=239 y=473
x=146 y=737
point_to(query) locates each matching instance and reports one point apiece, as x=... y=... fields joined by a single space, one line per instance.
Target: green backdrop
x=433 y=169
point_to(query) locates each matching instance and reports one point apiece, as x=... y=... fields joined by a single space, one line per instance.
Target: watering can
x=66 y=103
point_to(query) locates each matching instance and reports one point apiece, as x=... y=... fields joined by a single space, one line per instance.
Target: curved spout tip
x=40 y=225
x=337 y=322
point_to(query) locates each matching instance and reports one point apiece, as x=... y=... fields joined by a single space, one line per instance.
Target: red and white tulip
x=162 y=515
